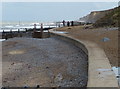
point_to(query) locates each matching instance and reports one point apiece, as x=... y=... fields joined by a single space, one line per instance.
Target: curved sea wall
x=100 y=73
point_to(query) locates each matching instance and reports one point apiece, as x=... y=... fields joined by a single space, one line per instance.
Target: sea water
x=23 y=27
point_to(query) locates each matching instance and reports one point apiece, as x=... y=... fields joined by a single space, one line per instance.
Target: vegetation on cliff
x=110 y=19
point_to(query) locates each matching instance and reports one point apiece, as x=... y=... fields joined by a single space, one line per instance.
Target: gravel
x=49 y=62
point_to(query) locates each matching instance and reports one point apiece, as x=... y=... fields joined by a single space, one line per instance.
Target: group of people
x=68 y=23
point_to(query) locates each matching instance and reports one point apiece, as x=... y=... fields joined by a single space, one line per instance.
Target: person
x=63 y=22
x=72 y=23
x=68 y=23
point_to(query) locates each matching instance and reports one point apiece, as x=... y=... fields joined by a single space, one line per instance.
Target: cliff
x=95 y=16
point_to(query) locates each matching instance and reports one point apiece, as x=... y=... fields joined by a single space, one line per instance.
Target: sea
x=8 y=27
x=22 y=27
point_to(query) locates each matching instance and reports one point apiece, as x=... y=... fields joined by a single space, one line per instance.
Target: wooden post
x=3 y=31
x=11 y=33
x=34 y=27
x=26 y=29
x=3 y=34
x=6 y=36
x=18 y=30
x=10 y=30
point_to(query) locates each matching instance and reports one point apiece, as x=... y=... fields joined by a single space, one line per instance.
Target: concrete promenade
x=100 y=73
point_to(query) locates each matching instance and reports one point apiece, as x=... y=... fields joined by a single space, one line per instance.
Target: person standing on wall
x=68 y=23
x=63 y=23
x=72 y=23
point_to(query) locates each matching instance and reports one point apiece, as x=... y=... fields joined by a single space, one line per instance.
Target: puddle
x=2 y=39
x=44 y=31
x=116 y=71
x=60 y=32
x=105 y=72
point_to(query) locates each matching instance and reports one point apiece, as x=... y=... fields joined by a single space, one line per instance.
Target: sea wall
x=100 y=73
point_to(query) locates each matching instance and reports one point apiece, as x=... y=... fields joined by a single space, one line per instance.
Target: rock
x=59 y=77
x=13 y=63
x=4 y=81
x=29 y=67
x=38 y=86
x=14 y=79
x=25 y=86
x=47 y=67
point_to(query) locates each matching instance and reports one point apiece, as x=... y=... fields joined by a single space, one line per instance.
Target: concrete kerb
x=100 y=73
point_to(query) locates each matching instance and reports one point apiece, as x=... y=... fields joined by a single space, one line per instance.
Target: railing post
x=3 y=31
x=18 y=30
x=10 y=30
x=25 y=29
x=11 y=33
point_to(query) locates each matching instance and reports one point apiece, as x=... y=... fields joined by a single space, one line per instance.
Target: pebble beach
x=49 y=62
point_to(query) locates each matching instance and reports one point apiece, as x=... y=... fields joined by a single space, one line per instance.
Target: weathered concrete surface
x=49 y=62
x=100 y=73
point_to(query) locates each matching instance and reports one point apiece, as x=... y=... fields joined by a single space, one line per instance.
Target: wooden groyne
x=29 y=33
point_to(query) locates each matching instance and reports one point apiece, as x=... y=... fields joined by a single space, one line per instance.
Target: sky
x=50 y=11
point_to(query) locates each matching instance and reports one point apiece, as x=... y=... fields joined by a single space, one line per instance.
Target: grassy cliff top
x=110 y=19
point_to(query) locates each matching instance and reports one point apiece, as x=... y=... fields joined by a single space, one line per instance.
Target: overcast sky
x=50 y=11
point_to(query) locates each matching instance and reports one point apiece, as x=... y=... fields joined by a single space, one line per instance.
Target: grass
x=110 y=19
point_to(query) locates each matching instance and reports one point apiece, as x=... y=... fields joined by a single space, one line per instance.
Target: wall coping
x=100 y=73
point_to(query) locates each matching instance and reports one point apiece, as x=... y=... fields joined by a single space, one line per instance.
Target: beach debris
x=105 y=39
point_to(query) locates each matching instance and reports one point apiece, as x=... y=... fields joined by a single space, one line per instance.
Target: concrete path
x=100 y=73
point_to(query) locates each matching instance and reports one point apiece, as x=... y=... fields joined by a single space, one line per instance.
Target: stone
x=13 y=63
x=58 y=78
x=47 y=67
x=38 y=86
x=25 y=86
